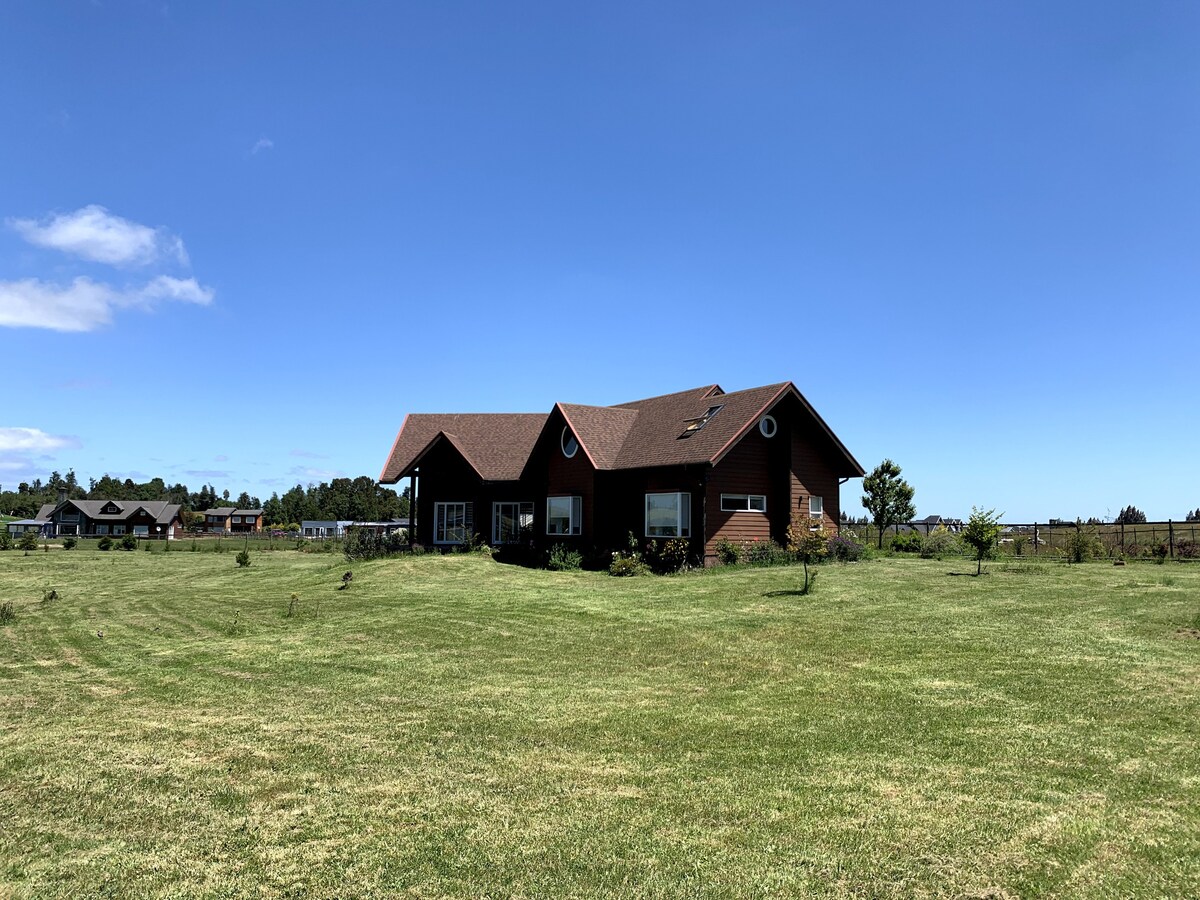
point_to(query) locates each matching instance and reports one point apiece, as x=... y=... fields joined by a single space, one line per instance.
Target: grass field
x=450 y=726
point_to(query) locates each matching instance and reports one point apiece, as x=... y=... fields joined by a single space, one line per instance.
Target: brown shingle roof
x=495 y=444
x=634 y=435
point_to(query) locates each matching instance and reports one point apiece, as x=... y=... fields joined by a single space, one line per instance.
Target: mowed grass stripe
x=452 y=726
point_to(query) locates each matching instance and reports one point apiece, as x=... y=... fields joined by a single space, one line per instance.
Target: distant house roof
x=221 y=511
x=247 y=512
x=687 y=427
x=162 y=511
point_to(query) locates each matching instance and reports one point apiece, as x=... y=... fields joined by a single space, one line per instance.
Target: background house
x=97 y=518
x=229 y=520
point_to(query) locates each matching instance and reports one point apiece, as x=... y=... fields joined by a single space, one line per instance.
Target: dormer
x=111 y=508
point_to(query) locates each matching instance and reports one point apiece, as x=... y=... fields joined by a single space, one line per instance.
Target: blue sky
x=238 y=242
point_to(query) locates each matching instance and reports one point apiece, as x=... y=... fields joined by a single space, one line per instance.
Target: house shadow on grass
x=786 y=593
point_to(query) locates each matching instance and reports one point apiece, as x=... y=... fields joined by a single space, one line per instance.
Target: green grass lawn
x=450 y=726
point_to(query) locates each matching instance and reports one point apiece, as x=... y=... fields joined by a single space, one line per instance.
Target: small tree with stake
x=808 y=540
x=982 y=533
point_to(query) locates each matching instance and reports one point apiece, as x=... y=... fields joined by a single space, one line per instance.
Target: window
x=767 y=426
x=451 y=523
x=563 y=515
x=816 y=507
x=237 y=520
x=668 y=515
x=118 y=529
x=68 y=517
x=101 y=529
x=510 y=521
x=141 y=530
x=569 y=445
x=743 y=503
x=693 y=425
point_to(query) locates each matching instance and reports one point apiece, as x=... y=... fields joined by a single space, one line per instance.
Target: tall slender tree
x=887 y=497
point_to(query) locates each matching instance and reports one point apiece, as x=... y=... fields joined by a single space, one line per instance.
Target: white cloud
x=263 y=143
x=85 y=305
x=32 y=440
x=95 y=234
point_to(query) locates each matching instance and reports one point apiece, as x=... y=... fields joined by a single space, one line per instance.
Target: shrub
x=1160 y=552
x=7 y=613
x=105 y=543
x=906 y=542
x=844 y=549
x=807 y=539
x=728 y=552
x=563 y=558
x=669 y=555
x=938 y=543
x=363 y=543
x=28 y=541
x=1083 y=544
x=6 y=540
x=129 y=542
x=766 y=553
x=1019 y=543
x=243 y=558
x=70 y=543
x=623 y=565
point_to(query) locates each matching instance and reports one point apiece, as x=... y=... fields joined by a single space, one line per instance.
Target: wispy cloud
x=95 y=234
x=263 y=143
x=206 y=474
x=84 y=304
x=221 y=458
x=33 y=440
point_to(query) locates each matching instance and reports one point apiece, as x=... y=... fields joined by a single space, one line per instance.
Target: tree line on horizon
x=358 y=499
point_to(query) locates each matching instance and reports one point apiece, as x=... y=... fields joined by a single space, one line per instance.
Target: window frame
x=439 y=508
x=762 y=426
x=574 y=518
x=521 y=513
x=816 y=511
x=748 y=507
x=568 y=435
x=683 y=516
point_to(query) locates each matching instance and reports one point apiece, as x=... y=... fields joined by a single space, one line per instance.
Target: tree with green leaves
x=887 y=497
x=808 y=540
x=981 y=533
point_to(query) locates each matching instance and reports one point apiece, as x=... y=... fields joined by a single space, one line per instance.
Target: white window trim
x=438 y=517
x=683 y=517
x=567 y=434
x=763 y=428
x=816 y=510
x=747 y=507
x=574 y=522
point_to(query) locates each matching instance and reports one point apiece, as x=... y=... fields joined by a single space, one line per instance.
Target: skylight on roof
x=691 y=426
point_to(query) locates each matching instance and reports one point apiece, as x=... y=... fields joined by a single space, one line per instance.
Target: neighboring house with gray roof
x=703 y=465
x=97 y=518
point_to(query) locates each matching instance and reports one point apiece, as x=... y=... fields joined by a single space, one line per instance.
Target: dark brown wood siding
x=812 y=475
x=744 y=470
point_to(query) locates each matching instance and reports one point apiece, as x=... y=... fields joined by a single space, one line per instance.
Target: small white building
x=323 y=528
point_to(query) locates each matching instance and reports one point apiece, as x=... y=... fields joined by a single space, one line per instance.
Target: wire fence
x=1163 y=540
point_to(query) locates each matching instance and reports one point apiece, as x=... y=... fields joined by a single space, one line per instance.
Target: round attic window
x=767 y=426
x=569 y=444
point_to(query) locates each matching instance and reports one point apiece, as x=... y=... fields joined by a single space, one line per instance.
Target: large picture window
x=510 y=521
x=451 y=523
x=668 y=515
x=564 y=515
x=743 y=503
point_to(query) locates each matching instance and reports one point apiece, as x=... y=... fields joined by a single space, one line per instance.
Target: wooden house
x=703 y=465
x=228 y=520
x=99 y=518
